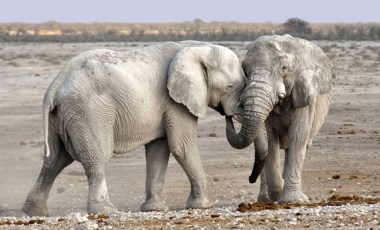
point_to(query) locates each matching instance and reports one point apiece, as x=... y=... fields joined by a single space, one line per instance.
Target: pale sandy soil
x=348 y=144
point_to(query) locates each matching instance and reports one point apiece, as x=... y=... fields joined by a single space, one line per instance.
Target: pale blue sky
x=177 y=11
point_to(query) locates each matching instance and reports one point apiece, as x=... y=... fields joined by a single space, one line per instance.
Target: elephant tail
x=46 y=110
x=49 y=104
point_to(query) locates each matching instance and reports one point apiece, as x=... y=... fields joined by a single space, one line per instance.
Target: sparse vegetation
x=197 y=29
x=297 y=27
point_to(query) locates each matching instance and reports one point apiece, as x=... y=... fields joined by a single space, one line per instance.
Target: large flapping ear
x=311 y=83
x=188 y=76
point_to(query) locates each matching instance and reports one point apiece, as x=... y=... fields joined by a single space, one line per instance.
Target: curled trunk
x=256 y=111
x=257 y=105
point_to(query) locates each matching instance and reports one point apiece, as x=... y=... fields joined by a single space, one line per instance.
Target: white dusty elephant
x=285 y=103
x=105 y=102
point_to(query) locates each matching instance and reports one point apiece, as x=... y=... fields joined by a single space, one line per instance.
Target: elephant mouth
x=220 y=109
x=283 y=105
x=238 y=117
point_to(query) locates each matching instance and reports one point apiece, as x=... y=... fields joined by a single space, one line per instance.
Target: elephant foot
x=272 y=197
x=293 y=197
x=275 y=195
x=275 y=189
x=153 y=205
x=263 y=195
x=31 y=208
x=263 y=198
x=199 y=203
x=101 y=208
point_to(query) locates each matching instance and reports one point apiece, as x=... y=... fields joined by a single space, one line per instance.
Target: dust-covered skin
x=286 y=101
x=104 y=102
x=346 y=148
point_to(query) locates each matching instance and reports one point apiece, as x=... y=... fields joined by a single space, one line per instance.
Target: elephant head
x=283 y=73
x=206 y=75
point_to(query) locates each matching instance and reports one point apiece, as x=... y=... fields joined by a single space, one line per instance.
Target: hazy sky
x=178 y=10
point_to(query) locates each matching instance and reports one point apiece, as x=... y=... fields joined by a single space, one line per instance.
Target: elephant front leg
x=181 y=129
x=293 y=166
x=292 y=173
x=272 y=168
x=191 y=164
x=157 y=156
x=98 y=200
x=263 y=193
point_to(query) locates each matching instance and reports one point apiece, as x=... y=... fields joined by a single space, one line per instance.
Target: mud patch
x=335 y=200
x=21 y=222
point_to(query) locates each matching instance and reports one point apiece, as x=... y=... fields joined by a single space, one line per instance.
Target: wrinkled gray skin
x=285 y=103
x=105 y=102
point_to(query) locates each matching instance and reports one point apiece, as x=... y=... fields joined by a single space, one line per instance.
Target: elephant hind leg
x=321 y=110
x=94 y=161
x=91 y=137
x=98 y=199
x=36 y=202
x=157 y=156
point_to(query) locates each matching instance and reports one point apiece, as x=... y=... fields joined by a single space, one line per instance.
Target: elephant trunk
x=256 y=170
x=258 y=103
x=257 y=106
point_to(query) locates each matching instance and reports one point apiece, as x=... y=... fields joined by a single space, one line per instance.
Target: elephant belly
x=280 y=124
x=133 y=137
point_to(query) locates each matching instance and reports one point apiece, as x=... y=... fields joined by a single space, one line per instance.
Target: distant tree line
x=196 y=30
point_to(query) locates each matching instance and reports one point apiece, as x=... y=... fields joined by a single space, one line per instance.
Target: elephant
x=104 y=102
x=284 y=105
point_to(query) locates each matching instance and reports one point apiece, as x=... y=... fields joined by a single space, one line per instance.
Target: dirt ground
x=344 y=158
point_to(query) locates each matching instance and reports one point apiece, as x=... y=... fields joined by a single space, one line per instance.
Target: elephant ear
x=311 y=83
x=187 y=78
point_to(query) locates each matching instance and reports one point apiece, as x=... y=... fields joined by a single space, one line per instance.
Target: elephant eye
x=284 y=68
x=228 y=88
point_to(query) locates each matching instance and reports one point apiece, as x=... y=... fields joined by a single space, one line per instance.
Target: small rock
x=76 y=217
x=215 y=215
x=213 y=135
x=336 y=177
x=60 y=189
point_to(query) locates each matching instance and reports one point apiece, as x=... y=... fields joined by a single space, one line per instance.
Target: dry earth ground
x=345 y=157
